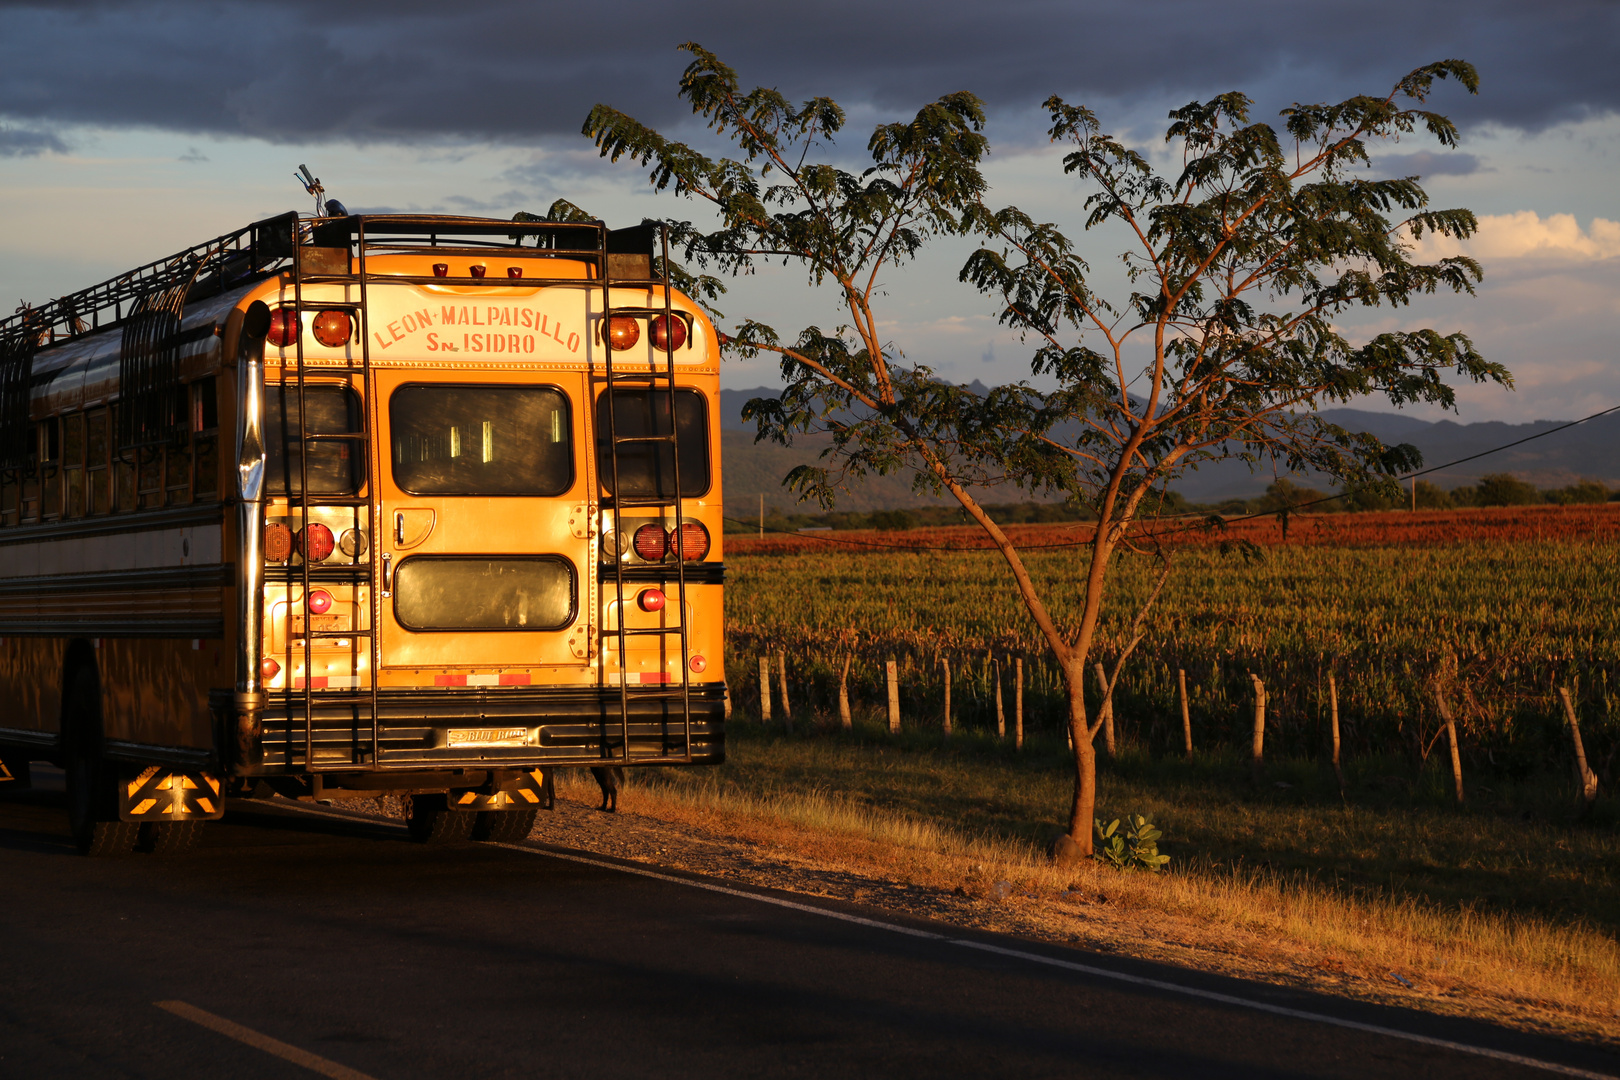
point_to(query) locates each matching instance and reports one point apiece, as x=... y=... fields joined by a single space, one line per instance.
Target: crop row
x=1499 y=625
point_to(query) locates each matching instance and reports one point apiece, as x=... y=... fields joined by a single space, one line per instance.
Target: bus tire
x=170 y=837
x=17 y=764
x=505 y=826
x=431 y=821
x=92 y=794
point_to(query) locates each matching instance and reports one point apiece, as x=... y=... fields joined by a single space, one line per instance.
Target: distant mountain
x=1590 y=451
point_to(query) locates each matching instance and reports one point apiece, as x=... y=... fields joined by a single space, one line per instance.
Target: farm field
x=1502 y=607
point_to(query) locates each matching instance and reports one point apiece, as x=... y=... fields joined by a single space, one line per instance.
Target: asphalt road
x=290 y=937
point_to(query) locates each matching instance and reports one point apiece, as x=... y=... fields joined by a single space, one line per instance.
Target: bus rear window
x=647 y=469
x=479 y=592
x=337 y=466
x=481 y=440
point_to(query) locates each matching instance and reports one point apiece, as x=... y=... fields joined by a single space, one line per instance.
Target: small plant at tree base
x=1137 y=848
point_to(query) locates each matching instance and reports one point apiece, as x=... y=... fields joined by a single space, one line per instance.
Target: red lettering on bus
x=528 y=317
x=433 y=342
x=424 y=318
x=380 y=340
x=409 y=322
x=393 y=328
x=449 y=316
x=573 y=343
x=528 y=343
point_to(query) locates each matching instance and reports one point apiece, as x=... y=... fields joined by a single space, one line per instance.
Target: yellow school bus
x=351 y=506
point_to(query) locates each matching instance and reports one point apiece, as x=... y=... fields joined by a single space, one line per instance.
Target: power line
x=1245 y=517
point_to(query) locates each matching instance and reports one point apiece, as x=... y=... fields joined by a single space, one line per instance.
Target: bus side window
x=205 y=439
x=50 y=469
x=73 y=464
x=10 y=493
x=123 y=470
x=97 y=489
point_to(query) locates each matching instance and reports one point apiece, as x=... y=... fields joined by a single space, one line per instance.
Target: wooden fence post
x=1333 y=702
x=1259 y=748
x=843 y=694
x=787 y=710
x=892 y=670
x=1186 y=715
x=1585 y=779
x=945 y=662
x=1451 y=737
x=1001 y=715
x=1018 y=703
x=765 y=688
x=1107 y=710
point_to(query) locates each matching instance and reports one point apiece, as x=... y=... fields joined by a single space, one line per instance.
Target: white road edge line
x=1036 y=958
x=1084 y=969
x=231 y=1029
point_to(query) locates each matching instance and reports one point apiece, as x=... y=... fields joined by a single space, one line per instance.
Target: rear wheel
x=171 y=837
x=15 y=765
x=431 y=821
x=92 y=794
x=505 y=826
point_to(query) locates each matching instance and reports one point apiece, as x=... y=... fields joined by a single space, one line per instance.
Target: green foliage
x=1501 y=489
x=1432 y=497
x=1137 y=848
x=1586 y=491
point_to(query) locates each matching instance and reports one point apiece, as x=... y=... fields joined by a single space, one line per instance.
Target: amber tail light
x=690 y=541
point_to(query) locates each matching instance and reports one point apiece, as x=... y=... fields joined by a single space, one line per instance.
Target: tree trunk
x=1333 y=699
x=765 y=688
x=1186 y=714
x=1106 y=710
x=1083 y=811
x=1018 y=703
x=1001 y=714
x=787 y=710
x=945 y=662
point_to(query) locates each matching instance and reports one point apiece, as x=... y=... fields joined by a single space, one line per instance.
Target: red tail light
x=651 y=600
x=514 y=271
x=477 y=271
x=441 y=269
x=651 y=543
x=283 y=327
x=690 y=541
x=699 y=664
x=668 y=334
x=623 y=332
x=315 y=542
x=332 y=328
x=278 y=543
x=269 y=669
x=320 y=602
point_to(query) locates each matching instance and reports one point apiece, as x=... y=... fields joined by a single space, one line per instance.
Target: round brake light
x=690 y=541
x=623 y=332
x=315 y=542
x=651 y=600
x=283 y=327
x=699 y=664
x=268 y=669
x=651 y=543
x=332 y=328
x=320 y=602
x=668 y=334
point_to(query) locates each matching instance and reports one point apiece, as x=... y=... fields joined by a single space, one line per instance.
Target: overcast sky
x=130 y=130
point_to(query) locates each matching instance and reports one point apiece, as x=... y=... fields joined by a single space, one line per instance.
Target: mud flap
x=531 y=788
x=158 y=794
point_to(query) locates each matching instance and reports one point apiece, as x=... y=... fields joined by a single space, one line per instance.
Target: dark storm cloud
x=16 y=142
x=1425 y=163
x=512 y=70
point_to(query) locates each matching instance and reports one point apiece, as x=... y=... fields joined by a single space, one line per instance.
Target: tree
x=1505 y=489
x=1240 y=263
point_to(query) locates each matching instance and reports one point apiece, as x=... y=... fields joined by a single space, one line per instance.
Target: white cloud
x=1528 y=235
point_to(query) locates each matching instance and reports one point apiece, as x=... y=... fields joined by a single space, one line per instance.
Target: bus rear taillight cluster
x=314 y=542
x=667 y=334
x=332 y=327
x=689 y=541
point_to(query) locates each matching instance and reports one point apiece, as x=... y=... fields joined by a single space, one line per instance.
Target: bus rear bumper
x=509 y=727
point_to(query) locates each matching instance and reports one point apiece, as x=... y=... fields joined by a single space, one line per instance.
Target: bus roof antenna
x=313 y=186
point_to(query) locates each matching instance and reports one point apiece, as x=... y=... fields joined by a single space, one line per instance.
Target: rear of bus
x=489 y=532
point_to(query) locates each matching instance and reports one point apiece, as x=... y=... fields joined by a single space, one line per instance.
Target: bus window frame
x=463 y=556
x=568 y=429
x=710 y=441
x=284 y=488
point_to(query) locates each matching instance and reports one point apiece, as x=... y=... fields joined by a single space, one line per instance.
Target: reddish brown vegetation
x=1516 y=524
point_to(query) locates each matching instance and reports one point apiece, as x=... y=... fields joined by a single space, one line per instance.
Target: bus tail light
x=623 y=332
x=690 y=541
x=699 y=664
x=651 y=600
x=514 y=271
x=283 y=327
x=477 y=271
x=332 y=328
x=315 y=542
x=278 y=542
x=320 y=602
x=441 y=269
x=668 y=334
x=651 y=543
x=269 y=669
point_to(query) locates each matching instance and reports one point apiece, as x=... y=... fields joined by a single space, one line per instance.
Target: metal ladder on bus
x=619 y=503
x=371 y=525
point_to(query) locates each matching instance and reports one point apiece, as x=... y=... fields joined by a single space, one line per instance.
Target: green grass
x=1514 y=849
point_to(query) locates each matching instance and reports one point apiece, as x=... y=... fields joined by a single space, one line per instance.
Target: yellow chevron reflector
x=137 y=783
x=144 y=806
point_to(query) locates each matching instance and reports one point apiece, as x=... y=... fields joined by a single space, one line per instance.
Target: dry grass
x=1284 y=925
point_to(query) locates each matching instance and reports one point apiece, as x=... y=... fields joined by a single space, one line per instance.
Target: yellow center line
x=230 y=1029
